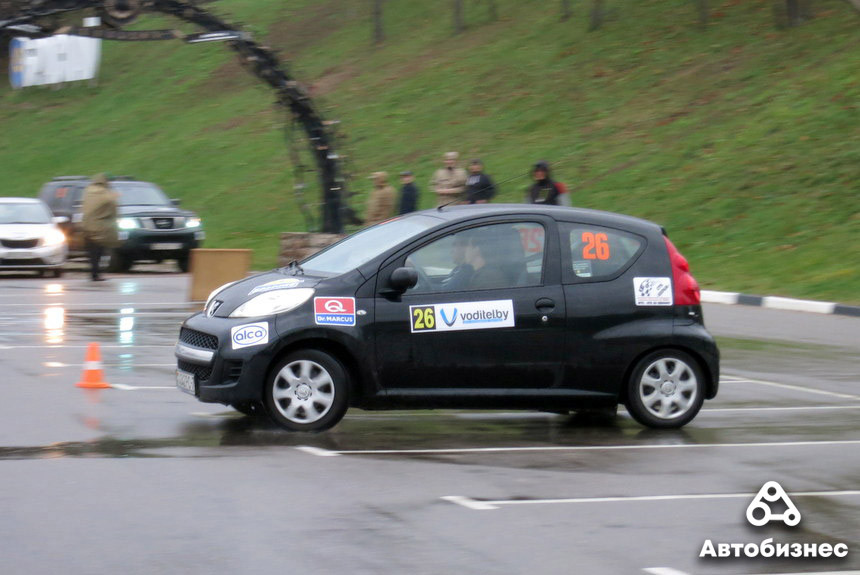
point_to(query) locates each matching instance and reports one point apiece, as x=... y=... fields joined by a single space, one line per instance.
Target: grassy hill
x=743 y=140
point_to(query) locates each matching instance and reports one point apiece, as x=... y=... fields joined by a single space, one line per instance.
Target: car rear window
x=597 y=253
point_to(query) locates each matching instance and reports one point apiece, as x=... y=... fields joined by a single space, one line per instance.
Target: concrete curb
x=783 y=303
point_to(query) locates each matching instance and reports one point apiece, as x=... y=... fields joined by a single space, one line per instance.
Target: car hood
x=139 y=210
x=243 y=290
x=24 y=231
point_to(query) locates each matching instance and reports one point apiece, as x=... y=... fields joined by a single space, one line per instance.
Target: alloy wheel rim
x=668 y=388
x=303 y=391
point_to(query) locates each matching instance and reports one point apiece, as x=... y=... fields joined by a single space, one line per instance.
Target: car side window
x=495 y=256
x=597 y=253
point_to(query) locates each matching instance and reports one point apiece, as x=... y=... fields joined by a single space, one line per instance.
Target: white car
x=29 y=237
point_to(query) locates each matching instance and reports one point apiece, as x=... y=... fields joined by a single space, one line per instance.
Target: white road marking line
x=330 y=453
x=482 y=505
x=792 y=387
x=103 y=346
x=664 y=571
x=117 y=366
x=817 y=573
x=318 y=451
x=124 y=387
x=784 y=408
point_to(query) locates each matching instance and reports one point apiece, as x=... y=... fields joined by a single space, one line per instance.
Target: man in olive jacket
x=99 y=221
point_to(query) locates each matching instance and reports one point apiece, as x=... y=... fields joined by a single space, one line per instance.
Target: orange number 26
x=595 y=247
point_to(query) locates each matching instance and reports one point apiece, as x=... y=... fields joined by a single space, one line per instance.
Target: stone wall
x=299 y=245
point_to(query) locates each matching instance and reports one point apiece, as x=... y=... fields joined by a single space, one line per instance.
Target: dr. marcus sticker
x=461 y=316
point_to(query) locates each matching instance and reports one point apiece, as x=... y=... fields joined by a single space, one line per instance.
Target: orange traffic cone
x=93 y=376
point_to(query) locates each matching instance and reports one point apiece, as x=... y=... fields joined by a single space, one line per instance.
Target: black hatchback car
x=151 y=226
x=513 y=306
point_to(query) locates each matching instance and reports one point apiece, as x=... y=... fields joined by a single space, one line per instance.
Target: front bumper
x=50 y=257
x=223 y=374
x=159 y=244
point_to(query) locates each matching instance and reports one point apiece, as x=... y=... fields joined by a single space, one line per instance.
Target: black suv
x=151 y=226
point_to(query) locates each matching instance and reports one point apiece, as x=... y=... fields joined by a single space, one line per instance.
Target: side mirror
x=175 y=201
x=402 y=279
x=60 y=220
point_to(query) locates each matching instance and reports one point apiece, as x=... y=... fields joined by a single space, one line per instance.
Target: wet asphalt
x=142 y=478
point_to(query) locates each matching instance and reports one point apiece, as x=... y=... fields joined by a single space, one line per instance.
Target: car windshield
x=140 y=194
x=28 y=213
x=365 y=245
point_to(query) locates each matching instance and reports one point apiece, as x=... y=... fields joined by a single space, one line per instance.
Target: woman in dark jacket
x=544 y=190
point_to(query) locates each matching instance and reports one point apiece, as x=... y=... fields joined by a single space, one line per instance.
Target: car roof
x=4 y=200
x=581 y=215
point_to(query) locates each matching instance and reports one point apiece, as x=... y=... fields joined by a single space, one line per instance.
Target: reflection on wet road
x=787 y=410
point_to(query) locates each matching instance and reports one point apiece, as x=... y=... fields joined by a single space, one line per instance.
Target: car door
x=609 y=322
x=498 y=326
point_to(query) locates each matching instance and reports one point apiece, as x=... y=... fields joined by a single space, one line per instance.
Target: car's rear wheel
x=666 y=389
x=307 y=391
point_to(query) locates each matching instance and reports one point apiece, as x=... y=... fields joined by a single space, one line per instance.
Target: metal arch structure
x=34 y=18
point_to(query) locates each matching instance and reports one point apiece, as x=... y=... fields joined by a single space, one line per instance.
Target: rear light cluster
x=685 y=285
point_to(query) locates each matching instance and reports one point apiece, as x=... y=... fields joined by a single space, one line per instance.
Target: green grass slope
x=742 y=140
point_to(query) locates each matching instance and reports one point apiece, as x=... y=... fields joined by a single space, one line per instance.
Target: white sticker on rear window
x=653 y=291
x=461 y=316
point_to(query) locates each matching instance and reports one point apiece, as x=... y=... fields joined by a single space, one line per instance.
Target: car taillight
x=686 y=288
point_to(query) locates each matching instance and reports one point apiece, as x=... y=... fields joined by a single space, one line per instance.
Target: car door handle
x=545 y=305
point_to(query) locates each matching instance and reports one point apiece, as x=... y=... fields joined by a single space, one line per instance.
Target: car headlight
x=192 y=223
x=127 y=224
x=276 y=301
x=53 y=238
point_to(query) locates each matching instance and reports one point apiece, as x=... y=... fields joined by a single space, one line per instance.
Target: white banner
x=53 y=60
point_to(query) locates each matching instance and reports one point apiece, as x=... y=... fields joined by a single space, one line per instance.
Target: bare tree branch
x=566 y=12
x=378 y=31
x=458 y=16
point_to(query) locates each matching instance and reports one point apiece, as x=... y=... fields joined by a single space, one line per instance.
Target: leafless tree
x=378 y=30
x=492 y=10
x=458 y=16
x=598 y=14
x=566 y=11
x=704 y=12
x=793 y=10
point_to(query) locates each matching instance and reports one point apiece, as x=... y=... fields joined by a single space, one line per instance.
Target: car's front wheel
x=119 y=263
x=307 y=391
x=666 y=389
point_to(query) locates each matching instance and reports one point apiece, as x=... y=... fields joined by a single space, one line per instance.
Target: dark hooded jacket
x=544 y=191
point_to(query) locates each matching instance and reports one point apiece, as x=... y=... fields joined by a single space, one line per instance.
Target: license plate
x=18 y=255
x=166 y=246
x=185 y=382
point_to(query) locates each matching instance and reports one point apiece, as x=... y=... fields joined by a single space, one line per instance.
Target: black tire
x=58 y=273
x=307 y=391
x=183 y=262
x=666 y=389
x=118 y=262
x=250 y=408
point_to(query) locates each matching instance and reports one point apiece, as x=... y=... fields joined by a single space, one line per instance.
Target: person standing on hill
x=479 y=187
x=408 y=193
x=544 y=190
x=99 y=222
x=380 y=205
x=449 y=182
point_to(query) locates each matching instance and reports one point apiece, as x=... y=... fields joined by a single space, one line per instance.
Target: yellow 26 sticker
x=423 y=317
